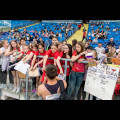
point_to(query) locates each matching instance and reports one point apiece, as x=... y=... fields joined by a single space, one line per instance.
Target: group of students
x=49 y=68
x=13 y=53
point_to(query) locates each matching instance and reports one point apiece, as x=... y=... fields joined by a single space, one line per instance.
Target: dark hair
x=51 y=71
x=54 y=44
x=74 y=42
x=55 y=37
x=41 y=45
x=100 y=43
x=0 y=44
x=22 y=39
x=34 y=45
x=70 y=50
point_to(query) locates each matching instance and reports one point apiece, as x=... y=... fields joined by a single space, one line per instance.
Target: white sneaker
x=2 y=85
x=14 y=89
x=10 y=86
x=18 y=90
x=5 y=86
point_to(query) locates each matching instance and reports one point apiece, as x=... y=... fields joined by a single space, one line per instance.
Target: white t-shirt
x=95 y=40
x=117 y=50
x=100 y=50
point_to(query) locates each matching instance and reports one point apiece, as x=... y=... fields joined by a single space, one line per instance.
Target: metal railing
x=27 y=75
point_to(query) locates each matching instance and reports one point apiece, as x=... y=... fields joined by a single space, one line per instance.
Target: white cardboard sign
x=101 y=81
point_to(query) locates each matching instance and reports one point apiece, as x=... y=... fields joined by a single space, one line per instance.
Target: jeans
x=75 y=81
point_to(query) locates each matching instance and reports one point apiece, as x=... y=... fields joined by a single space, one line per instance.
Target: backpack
x=64 y=95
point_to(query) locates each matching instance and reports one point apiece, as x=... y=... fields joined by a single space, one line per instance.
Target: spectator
x=54 y=39
x=100 y=49
x=118 y=49
x=74 y=42
x=89 y=40
x=86 y=45
x=52 y=85
x=109 y=47
x=84 y=35
x=111 y=42
x=77 y=74
x=95 y=40
x=114 y=30
x=84 y=29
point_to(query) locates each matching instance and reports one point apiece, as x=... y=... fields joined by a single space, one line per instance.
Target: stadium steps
x=78 y=34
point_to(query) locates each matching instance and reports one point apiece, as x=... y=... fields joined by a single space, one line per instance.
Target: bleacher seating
x=110 y=34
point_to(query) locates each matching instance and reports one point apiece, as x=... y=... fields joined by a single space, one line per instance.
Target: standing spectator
x=79 y=26
x=52 y=86
x=74 y=42
x=84 y=35
x=77 y=74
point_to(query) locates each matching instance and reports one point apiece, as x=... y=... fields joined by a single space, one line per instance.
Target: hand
x=43 y=69
x=12 y=60
x=61 y=71
x=31 y=68
x=24 y=61
x=80 y=60
x=14 y=51
x=35 y=67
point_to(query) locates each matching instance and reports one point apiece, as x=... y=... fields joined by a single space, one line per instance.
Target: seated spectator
x=111 y=42
x=118 y=49
x=114 y=30
x=95 y=40
x=109 y=47
x=52 y=86
x=89 y=40
x=100 y=49
x=89 y=34
x=116 y=61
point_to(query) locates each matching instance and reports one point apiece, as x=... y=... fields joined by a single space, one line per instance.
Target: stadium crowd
x=48 y=81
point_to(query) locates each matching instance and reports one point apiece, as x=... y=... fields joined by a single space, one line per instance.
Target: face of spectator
x=100 y=45
x=54 y=40
x=118 y=54
x=25 y=49
x=54 y=48
x=14 y=45
x=60 y=47
x=111 y=40
x=6 y=44
x=86 y=45
x=23 y=42
x=34 y=49
x=65 y=49
x=41 y=48
x=78 y=48
x=88 y=50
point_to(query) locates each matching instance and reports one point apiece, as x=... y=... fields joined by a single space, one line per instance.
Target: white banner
x=101 y=81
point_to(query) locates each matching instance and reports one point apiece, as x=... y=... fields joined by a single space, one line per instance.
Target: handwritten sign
x=101 y=81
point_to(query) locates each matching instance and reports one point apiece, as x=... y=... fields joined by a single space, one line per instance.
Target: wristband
x=37 y=64
x=16 y=58
x=60 y=67
x=16 y=53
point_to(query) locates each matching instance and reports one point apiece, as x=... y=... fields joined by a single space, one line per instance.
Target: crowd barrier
x=27 y=76
x=65 y=71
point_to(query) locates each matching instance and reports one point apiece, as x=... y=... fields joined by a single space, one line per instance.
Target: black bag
x=64 y=95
